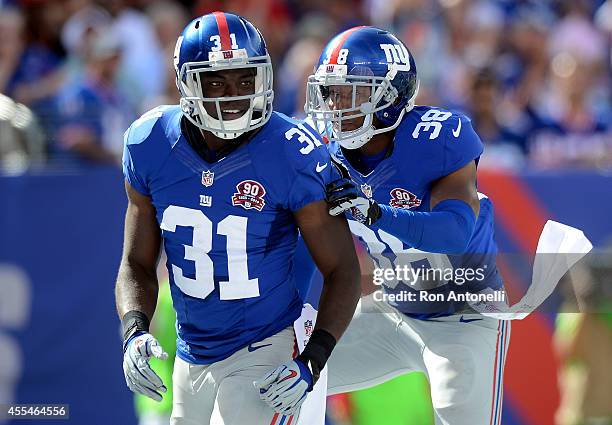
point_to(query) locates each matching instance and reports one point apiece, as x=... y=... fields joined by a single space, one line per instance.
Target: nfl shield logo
x=207 y=178
x=367 y=190
x=308 y=328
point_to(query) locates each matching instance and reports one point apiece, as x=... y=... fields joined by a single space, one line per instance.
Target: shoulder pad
x=151 y=122
x=301 y=144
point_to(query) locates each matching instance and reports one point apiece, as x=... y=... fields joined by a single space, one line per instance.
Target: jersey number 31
x=234 y=227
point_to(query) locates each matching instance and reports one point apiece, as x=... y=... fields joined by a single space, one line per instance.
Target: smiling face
x=228 y=83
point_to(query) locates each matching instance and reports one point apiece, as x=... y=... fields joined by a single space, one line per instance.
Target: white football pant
x=463 y=357
x=222 y=393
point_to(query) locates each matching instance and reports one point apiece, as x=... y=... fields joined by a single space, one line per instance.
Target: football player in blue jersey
x=409 y=190
x=225 y=183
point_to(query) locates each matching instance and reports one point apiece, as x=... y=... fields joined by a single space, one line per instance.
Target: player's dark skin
x=328 y=238
x=460 y=184
x=233 y=82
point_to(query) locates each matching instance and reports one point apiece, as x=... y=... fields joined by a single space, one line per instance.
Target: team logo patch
x=228 y=54
x=250 y=195
x=205 y=200
x=208 y=178
x=367 y=190
x=401 y=198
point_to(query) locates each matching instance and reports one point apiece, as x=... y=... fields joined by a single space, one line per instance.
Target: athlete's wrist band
x=317 y=351
x=133 y=322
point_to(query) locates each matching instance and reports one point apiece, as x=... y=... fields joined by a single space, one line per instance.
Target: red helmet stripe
x=333 y=58
x=226 y=42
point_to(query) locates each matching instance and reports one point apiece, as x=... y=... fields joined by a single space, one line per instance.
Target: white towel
x=561 y=247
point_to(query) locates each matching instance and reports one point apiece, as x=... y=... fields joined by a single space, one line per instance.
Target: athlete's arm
x=331 y=246
x=460 y=185
x=330 y=243
x=137 y=285
x=447 y=228
x=136 y=295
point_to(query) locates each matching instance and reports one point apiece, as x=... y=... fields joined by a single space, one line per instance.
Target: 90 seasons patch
x=249 y=195
x=402 y=198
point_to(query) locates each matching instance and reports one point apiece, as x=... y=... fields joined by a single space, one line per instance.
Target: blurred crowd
x=534 y=75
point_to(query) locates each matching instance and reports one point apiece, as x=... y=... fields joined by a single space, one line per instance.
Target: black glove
x=344 y=195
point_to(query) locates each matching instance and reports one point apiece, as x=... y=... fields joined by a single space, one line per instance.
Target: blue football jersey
x=228 y=227
x=429 y=143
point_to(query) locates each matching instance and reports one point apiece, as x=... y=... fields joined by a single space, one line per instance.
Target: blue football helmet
x=363 y=72
x=215 y=42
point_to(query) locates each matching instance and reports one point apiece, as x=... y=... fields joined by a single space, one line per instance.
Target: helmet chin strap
x=359 y=139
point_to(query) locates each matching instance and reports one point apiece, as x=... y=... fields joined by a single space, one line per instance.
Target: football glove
x=344 y=195
x=139 y=376
x=285 y=388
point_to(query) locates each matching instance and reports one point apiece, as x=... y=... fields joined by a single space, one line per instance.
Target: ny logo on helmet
x=397 y=54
